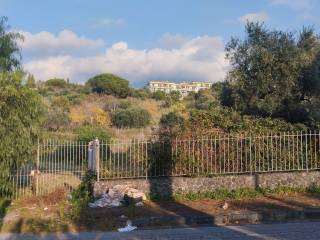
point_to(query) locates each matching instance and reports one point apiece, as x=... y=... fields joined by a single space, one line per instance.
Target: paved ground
x=286 y=231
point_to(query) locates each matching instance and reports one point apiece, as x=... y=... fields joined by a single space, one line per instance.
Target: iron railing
x=62 y=164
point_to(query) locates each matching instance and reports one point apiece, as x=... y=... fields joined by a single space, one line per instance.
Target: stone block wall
x=165 y=186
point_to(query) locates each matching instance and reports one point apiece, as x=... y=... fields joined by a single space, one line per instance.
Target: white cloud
x=171 y=41
x=254 y=17
x=66 y=42
x=200 y=58
x=295 y=4
x=107 y=22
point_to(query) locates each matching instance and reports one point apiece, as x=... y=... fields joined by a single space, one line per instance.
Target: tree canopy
x=109 y=84
x=275 y=73
x=9 y=50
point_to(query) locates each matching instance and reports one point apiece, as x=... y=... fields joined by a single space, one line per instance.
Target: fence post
x=37 y=171
x=94 y=157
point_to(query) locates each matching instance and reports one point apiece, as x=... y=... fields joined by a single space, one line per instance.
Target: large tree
x=274 y=73
x=21 y=110
x=9 y=49
x=109 y=84
x=20 y=116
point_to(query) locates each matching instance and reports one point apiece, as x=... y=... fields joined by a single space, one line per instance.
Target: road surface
x=285 y=231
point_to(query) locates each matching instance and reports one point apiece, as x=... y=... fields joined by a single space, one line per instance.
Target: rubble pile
x=119 y=195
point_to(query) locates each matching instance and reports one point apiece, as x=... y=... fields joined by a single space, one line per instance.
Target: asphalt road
x=285 y=231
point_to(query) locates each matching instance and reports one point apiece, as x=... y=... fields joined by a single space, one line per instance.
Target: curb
x=248 y=217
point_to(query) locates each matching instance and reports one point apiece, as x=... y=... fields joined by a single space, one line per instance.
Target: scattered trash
x=106 y=201
x=123 y=216
x=225 y=206
x=117 y=195
x=139 y=204
x=45 y=209
x=127 y=228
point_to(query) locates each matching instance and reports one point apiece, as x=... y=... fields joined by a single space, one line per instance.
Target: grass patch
x=243 y=193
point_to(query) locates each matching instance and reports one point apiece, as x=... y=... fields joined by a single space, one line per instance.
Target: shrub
x=140 y=93
x=109 y=84
x=159 y=95
x=56 y=120
x=56 y=82
x=131 y=117
x=88 y=133
x=81 y=196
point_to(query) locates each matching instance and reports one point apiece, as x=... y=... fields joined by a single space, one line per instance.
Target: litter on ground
x=118 y=195
x=127 y=228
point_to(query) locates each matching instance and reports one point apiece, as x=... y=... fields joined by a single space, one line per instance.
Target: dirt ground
x=51 y=213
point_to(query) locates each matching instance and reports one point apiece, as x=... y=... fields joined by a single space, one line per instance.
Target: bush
x=56 y=82
x=56 y=120
x=81 y=196
x=159 y=95
x=109 y=84
x=140 y=93
x=131 y=117
x=90 y=132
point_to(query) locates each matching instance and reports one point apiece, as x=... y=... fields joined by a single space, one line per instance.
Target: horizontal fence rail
x=62 y=164
x=58 y=164
x=222 y=154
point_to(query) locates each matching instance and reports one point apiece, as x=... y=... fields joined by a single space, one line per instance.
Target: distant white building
x=183 y=88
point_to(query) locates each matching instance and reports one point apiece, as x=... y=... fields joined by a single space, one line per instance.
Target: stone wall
x=165 y=186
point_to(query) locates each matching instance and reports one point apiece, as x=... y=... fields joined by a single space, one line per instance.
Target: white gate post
x=94 y=157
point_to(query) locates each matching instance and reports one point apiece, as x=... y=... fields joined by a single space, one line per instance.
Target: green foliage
x=159 y=95
x=275 y=73
x=9 y=49
x=131 y=117
x=124 y=104
x=56 y=82
x=81 y=196
x=31 y=82
x=4 y=204
x=171 y=120
x=141 y=93
x=233 y=122
x=109 y=84
x=56 y=120
x=21 y=112
x=88 y=133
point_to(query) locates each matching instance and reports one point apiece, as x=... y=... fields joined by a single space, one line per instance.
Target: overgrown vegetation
x=81 y=196
x=239 y=194
x=131 y=117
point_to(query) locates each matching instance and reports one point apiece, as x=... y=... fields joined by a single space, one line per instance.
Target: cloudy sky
x=178 y=40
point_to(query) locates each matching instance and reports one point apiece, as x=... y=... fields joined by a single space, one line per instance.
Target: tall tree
x=20 y=115
x=9 y=49
x=270 y=74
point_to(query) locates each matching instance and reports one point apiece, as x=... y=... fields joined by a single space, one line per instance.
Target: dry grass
x=49 y=182
x=83 y=112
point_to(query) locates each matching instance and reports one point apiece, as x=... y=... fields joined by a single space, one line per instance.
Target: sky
x=142 y=40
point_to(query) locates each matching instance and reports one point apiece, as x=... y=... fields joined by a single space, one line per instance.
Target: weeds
x=81 y=196
x=242 y=193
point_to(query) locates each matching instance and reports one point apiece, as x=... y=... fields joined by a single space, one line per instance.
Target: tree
x=21 y=112
x=56 y=82
x=9 y=50
x=109 y=84
x=269 y=74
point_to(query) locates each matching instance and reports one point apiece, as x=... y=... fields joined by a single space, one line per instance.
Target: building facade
x=183 y=88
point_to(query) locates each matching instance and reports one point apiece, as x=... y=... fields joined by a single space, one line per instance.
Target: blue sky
x=143 y=39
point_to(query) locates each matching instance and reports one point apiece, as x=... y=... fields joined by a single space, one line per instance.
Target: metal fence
x=222 y=154
x=62 y=164
x=57 y=164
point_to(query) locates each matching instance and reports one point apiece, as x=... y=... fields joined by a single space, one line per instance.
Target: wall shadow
x=162 y=164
